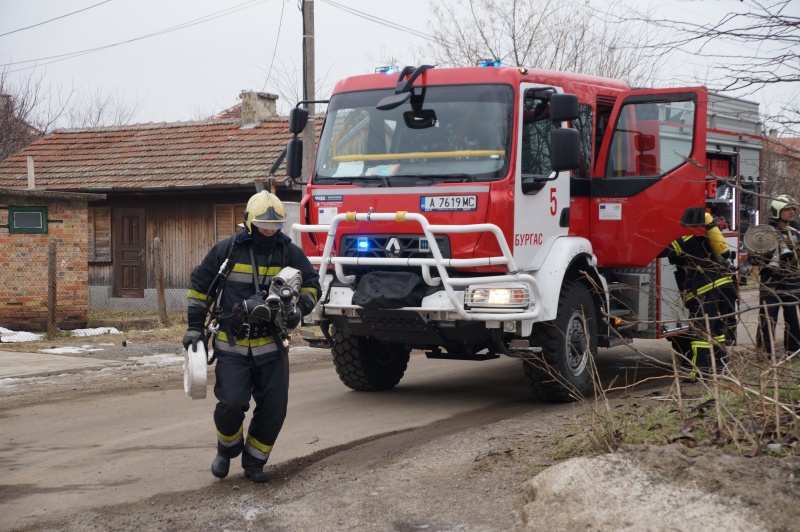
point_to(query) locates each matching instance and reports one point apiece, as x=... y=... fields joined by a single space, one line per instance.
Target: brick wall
x=24 y=264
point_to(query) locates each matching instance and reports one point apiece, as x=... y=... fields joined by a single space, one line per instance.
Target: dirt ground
x=450 y=476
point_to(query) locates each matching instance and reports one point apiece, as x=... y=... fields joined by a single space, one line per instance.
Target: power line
x=383 y=22
x=52 y=19
x=275 y=51
x=70 y=55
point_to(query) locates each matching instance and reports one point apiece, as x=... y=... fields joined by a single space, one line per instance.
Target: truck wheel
x=562 y=371
x=367 y=365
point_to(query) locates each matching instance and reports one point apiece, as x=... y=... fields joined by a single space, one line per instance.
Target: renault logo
x=393 y=247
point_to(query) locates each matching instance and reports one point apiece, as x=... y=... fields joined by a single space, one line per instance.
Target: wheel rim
x=577 y=345
x=383 y=355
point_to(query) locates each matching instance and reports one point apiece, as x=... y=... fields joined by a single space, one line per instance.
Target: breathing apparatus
x=718 y=244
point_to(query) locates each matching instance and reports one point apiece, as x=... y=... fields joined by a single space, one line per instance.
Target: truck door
x=649 y=174
x=537 y=212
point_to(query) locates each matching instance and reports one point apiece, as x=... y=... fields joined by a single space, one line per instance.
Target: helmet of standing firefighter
x=784 y=201
x=264 y=210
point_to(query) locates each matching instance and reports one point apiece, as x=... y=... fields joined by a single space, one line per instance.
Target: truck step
x=461 y=356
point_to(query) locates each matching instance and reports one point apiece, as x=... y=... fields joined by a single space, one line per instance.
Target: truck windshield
x=443 y=133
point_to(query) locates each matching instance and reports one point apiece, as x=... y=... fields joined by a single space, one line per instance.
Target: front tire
x=367 y=365
x=562 y=372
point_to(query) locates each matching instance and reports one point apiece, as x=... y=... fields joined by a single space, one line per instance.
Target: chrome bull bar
x=427 y=264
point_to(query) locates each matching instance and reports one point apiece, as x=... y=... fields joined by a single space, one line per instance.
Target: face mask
x=263 y=240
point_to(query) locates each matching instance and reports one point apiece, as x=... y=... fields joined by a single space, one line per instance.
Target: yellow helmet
x=264 y=210
x=784 y=201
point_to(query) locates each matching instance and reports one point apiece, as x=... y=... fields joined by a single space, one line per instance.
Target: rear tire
x=562 y=372
x=367 y=365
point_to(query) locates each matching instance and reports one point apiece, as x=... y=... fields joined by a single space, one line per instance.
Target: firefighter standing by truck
x=249 y=345
x=779 y=276
x=703 y=275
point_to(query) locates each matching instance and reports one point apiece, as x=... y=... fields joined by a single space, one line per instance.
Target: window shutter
x=100 y=234
x=226 y=218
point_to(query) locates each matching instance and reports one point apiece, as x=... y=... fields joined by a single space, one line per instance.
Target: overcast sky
x=185 y=59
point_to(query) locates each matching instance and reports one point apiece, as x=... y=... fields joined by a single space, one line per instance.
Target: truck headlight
x=497 y=296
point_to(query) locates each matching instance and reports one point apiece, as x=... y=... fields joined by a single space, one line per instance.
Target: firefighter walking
x=252 y=359
x=703 y=276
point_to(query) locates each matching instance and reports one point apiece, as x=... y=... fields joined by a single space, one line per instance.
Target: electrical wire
x=275 y=50
x=381 y=21
x=194 y=22
x=52 y=19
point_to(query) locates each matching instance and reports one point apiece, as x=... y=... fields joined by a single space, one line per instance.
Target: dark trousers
x=707 y=331
x=237 y=380
x=768 y=318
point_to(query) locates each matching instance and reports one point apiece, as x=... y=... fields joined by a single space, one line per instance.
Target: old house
x=185 y=184
x=35 y=275
x=781 y=165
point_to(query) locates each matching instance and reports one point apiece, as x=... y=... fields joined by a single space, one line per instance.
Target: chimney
x=31 y=174
x=257 y=107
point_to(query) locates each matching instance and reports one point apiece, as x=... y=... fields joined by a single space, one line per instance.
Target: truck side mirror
x=294 y=157
x=563 y=107
x=298 y=118
x=565 y=153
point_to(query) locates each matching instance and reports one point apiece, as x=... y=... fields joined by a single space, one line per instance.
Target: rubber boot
x=256 y=475
x=220 y=466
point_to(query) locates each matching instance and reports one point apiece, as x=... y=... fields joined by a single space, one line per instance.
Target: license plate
x=448 y=203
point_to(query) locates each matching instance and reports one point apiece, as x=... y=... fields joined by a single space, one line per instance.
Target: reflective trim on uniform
x=710 y=286
x=259 y=346
x=256 y=448
x=309 y=290
x=697 y=345
x=240 y=267
x=195 y=295
x=230 y=441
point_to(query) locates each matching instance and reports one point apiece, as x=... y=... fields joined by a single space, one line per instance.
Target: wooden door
x=129 y=253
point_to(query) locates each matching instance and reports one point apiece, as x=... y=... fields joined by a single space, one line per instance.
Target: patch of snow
x=7 y=335
x=159 y=361
x=95 y=332
x=14 y=382
x=21 y=336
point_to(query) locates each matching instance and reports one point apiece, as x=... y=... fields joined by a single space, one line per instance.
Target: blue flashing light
x=363 y=244
x=387 y=70
x=490 y=63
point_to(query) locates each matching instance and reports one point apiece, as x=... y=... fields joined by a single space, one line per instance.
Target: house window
x=27 y=220
x=227 y=219
x=99 y=234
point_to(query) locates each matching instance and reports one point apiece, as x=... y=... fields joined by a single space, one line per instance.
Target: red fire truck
x=487 y=211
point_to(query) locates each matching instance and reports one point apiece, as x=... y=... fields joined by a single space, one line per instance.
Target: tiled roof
x=788 y=146
x=183 y=154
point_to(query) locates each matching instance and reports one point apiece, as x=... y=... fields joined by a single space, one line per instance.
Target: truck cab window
x=651 y=138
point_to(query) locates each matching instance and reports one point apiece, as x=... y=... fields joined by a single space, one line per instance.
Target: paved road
x=100 y=450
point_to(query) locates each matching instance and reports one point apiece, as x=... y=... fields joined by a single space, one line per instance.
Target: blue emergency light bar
x=387 y=70
x=363 y=244
x=490 y=63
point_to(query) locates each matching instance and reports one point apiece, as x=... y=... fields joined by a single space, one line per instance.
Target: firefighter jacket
x=270 y=256
x=781 y=270
x=697 y=269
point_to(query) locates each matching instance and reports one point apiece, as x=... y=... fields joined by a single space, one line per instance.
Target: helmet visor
x=277 y=226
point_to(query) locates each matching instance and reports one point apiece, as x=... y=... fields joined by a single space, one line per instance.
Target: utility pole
x=309 y=140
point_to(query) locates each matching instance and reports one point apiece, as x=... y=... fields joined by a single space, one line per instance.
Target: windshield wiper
x=455 y=178
x=371 y=181
x=437 y=178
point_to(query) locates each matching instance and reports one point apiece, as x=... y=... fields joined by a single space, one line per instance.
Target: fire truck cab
x=480 y=212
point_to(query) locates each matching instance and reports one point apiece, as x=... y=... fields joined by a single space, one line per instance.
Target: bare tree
x=761 y=41
x=25 y=113
x=98 y=108
x=286 y=80
x=568 y=36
